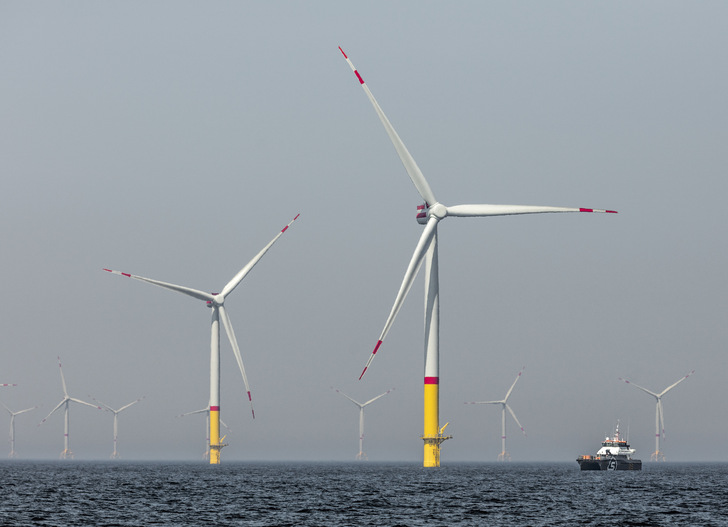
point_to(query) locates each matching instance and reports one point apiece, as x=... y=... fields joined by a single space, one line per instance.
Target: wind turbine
x=430 y=214
x=504 y=455
x=361 y=455
x=115 y=453
x=216 y=301
x=67 y=400
x=657 y=455
x=206 y=411
x=13 y=453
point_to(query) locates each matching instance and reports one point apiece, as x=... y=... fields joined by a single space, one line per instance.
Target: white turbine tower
x=206 y=411
x=361 y=455
x=430 y=214
x=13 y=453
x=67 y=400
x=115 y=453
x=216 y=301
x=504 y=455
x=657 y=455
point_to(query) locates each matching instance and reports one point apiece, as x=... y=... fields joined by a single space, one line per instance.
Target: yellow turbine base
x=215 y=454
x=432 y=435
x=215 y=445
x=431 y=456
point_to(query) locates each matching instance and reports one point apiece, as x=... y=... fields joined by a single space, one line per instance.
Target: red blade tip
x=376 y=348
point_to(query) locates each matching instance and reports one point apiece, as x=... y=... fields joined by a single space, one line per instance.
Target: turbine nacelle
x=422 y=212
x=427 y=211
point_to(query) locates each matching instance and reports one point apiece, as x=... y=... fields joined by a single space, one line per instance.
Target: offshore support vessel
x=615 y=454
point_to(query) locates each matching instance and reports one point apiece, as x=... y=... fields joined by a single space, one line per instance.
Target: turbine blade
x=204 y=410
x=409 y=277
x=505 y=210
x=63 y=379
x=232 y=284
x=52 y=411
x=514 y=383
x=370 y=401
x=408 y=161
x=109 y=408
x=226 y=427
x=79 y=401
x=653 y=394
x=23 y=411
x=194 y=293
x=130 y=404
x=236 y=351
x=516 y=419
x=357 y=403
x=675 y=384
x=487 y=402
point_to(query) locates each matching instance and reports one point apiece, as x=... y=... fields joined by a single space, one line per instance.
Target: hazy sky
x=174 y=139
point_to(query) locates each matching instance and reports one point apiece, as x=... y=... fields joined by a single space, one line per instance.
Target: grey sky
x=174 y=139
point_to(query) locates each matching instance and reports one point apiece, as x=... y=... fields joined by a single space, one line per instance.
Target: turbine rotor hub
x=438 y=210
x=217 y=300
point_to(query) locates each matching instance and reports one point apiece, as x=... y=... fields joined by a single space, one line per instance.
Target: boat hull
x=611 y=463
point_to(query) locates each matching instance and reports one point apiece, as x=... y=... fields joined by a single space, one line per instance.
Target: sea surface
x=382 y=494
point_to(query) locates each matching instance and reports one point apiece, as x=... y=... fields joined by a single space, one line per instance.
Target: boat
x=615 y=454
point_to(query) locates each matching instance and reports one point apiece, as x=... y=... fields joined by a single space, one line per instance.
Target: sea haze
x=257 y=494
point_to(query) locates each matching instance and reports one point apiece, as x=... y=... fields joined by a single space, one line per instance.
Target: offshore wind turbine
x=361 y=455
x=206 y=411
x=430 y=214
x=13 y=453
x=67 y=400
x=504 y=455
x=216 y=301
x=657 y=455
x=115 y=453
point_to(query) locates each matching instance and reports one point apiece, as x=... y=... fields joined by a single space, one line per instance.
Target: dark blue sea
x=377 y=494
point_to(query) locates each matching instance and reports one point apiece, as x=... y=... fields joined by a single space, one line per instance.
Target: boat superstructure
x=615 y=454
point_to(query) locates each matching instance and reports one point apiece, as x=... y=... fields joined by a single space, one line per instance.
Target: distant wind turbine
x=115 y=453
x=216 y=302
x=206 y=411
x=13 y=453
x=430 y=213
x=504 y=455
x=67 y=400
x=658 y=455
x=361 y=455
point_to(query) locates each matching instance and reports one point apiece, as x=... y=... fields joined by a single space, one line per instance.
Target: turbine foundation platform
x=215 y=453
x=432 y=449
